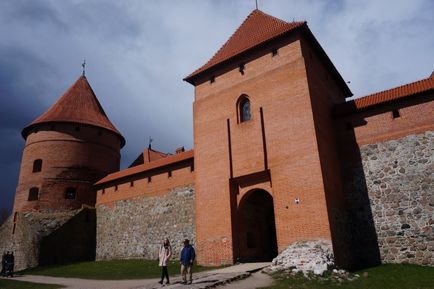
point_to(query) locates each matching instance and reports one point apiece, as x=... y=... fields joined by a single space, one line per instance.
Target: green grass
x=110 y=270
x=12 y=284
x=382 y=277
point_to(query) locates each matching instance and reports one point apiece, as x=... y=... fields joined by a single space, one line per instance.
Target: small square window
x=274 y=52
x=395 y=113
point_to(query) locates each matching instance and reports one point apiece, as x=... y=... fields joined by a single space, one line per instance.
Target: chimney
x=180 y=150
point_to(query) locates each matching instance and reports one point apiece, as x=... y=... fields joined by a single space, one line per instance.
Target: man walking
x=187 y=258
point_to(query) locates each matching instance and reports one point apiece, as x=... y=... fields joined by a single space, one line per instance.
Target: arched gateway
x=256 y=227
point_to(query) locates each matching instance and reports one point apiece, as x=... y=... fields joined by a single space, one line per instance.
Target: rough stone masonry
x=400 y=181
x=134 y=228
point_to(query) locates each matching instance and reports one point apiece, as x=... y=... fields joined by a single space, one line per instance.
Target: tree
x=4 y=214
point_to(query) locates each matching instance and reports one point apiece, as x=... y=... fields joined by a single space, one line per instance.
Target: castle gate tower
x=68 y=148
x=267 y=173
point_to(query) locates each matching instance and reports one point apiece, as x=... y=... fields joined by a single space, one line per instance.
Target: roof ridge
x=245 y=37
x=397 y=87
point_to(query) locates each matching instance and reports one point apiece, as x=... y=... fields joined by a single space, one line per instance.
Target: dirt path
x=256 y=280
x=75 y=283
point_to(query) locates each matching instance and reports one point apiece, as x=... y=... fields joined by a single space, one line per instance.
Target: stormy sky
x=137 y=53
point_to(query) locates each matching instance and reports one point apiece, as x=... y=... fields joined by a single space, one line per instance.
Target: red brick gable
x=78 y=104
x=256 y=29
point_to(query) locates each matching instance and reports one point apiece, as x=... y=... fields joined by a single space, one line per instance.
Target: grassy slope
x=382 y=277
x=110 y=270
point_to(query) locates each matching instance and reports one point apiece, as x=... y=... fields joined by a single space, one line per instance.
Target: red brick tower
x=267 y=171
x=68 y=148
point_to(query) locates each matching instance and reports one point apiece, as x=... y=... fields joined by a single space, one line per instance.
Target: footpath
x=202 y=280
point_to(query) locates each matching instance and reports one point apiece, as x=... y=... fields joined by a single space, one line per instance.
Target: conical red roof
x=77 y=105
x=256 y=29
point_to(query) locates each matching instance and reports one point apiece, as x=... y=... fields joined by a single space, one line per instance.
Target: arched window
x=244 y=109
x=33 y=194
x=70 y=193
x=37 y=165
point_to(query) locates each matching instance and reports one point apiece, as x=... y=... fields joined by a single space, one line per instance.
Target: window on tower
x=70 y=193
x=37 y=165
x=33 y=194
x=244 y=113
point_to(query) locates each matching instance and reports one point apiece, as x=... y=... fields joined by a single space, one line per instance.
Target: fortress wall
x=134 y=228
x=400 y=183
x=387 y=166
x=35 y=228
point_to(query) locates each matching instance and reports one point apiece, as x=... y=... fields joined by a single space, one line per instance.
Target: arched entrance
x=256 y=227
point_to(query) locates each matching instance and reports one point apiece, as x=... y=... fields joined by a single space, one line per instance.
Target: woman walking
x=164 y=257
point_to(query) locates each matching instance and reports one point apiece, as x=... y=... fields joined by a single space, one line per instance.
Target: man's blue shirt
x=187 y=255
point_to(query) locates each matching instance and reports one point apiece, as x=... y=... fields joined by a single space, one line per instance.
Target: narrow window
x=70 y=193
x=132 y=184
x=13 y=230
x=274 y=52
x=149 y=179
x=33 y=194
x=103 y=191
x=395 y=113
x=116 y=187
x=192 y=167
x=212 y=79
x=244 y=109
x=15 y=216
x=169 y=174
x=37 y=165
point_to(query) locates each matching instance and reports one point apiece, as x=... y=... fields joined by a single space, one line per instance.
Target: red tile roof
x=78 y=105
x=147 y=156
x=147 y=166
x=396 y=93
x=256 y=29
x=385 y=96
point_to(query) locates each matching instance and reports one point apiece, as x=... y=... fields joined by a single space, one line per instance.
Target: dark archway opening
x=257 y=229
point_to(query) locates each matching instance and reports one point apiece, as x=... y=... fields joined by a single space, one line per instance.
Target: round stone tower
x=68 y=148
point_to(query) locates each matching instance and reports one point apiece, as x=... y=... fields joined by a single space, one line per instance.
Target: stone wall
x=33 y=229
x=134 y=228
x=398 y=176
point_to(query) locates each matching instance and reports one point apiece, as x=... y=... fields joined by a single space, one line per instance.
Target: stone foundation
x=134 y=228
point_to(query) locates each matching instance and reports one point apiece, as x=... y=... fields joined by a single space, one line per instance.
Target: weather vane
x=150 y=142
x=84 y=67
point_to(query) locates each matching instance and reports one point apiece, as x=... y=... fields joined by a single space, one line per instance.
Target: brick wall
x=70 y=158
x=279 y=85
